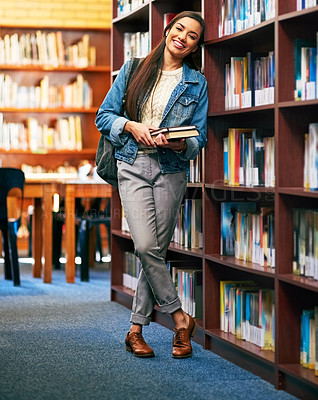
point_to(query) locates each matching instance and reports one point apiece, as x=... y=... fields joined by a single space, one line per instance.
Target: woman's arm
x=109 y=119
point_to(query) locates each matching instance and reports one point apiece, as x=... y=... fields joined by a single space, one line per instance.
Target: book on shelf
x=194 y=175
x=188 y=231
x=77 y=94
x=187 y=279
x=66 y=135
x=305 y=242
x=131 y=270
x=304 y=4
x=311 y=158
x=177 y=132
x=167 y=18
x=247 y=312
x=47 y=49
x=306 y=69
x=250 y=80
x=235 y=16
x=247 y=233
x=136 y=44
x=248 y=158
x=228 y=211
x=308 y=334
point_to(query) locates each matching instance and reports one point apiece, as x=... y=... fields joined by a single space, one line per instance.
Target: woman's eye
x=178 y=29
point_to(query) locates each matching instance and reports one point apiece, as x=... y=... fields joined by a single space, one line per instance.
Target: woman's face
x=183 y=37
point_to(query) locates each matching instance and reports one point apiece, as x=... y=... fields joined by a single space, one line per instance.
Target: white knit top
x=155 y=105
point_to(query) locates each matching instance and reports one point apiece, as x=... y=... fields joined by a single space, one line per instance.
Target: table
x=43 y=192
x=71 y=190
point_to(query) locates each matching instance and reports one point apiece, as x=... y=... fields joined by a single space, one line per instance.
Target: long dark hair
x=147 y=71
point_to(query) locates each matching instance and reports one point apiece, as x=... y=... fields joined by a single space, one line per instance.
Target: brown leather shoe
x=136 y=344
x=181 y=344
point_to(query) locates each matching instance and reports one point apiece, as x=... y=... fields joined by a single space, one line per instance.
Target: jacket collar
x=189 y=75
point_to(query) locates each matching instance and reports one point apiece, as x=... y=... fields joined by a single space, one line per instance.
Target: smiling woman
x=181 y=40
x=165 y=90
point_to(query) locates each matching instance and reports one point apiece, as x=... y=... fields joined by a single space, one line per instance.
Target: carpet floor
x=66 y=341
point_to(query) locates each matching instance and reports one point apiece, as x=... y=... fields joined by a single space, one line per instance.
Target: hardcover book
x=178 y=132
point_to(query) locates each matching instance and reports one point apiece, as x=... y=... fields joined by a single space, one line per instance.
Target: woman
x=165 y=90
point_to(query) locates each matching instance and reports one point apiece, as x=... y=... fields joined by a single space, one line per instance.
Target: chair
x=95 y=217
x=58 y=222
x=10 y=178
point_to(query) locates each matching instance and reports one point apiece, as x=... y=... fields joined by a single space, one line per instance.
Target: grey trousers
x=151 y=202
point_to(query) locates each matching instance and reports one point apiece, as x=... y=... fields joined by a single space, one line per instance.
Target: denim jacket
x=187 y=105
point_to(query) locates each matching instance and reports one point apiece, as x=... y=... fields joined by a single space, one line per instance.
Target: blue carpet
x=66 y=341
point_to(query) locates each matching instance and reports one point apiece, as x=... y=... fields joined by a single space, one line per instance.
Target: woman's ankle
x=180 y=319
x=136 y=328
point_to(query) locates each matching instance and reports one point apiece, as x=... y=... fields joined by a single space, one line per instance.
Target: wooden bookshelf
x=97 y=76
x=288 y=119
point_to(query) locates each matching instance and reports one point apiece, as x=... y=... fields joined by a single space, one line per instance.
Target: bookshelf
x=87 y=57
x=288 y=121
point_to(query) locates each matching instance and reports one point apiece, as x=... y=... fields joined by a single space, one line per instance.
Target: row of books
x=250 y=80
x=194 y=175
x=186 y=278
x=131 y=270
x=77 y=94
x=47 y=49
x=136 y=44
x=311 y=158
x=249 y=158
x=126 y=6
x=188 y=231
x=305 y=237
x=65 y=135
x=237 y=15
x=309 y=339
x=303 y=4
x=306 y=69
x=247 y=311
x=188 y=283
x=248 y=233
x=63 y=171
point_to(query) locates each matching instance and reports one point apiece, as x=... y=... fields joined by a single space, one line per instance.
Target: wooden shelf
x=287 y=120
x=57 y=110
x=29 y=75
x=246 y=266
x=301 y=281
x=267 y=356
x=50 y=68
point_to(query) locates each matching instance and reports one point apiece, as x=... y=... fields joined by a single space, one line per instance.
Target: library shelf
x=96 y=70
x=245 y=189
x=300 y=281
x=246 y=266
x=57 y=110
x=288 y=120
x=122 y=234
x=50 y=68
x=294 y=191
x=267 y=356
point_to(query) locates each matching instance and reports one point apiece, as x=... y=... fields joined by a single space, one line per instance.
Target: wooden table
x=71 y=190
x=42 y=191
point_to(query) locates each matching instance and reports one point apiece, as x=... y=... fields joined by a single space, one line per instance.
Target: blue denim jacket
x=187 y=105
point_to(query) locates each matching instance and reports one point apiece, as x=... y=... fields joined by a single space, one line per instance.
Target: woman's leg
x=151 y=202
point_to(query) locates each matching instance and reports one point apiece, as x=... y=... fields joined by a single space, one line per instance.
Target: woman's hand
x=141 y=132
x=176 y=145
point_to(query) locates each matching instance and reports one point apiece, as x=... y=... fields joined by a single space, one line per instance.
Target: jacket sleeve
x=109 y=119
x=195 y=144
